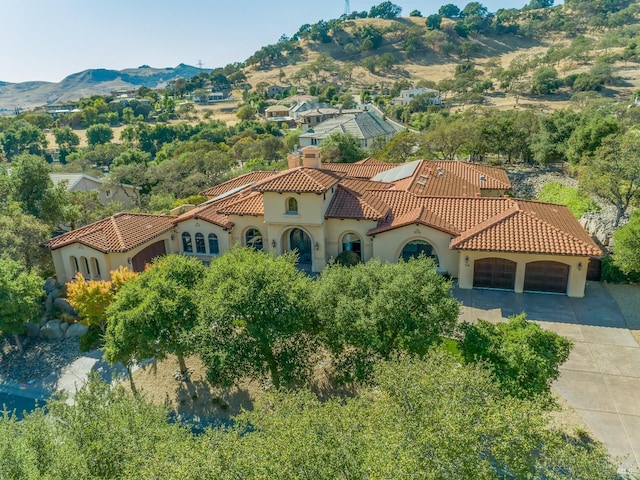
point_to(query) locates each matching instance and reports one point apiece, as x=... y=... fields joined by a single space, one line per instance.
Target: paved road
x=601 y=378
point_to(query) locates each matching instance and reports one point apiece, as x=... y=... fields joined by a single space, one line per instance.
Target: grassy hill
x=504 y=54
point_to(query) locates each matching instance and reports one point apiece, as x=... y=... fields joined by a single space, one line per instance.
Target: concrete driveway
x=601 y=378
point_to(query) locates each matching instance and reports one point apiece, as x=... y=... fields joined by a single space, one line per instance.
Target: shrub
x=610 y=273
x=577 y=202
x=348 y=258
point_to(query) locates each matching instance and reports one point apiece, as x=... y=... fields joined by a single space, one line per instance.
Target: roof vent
x=441 y=171
x=424 y=176
x=483 y=178
x=422 y=184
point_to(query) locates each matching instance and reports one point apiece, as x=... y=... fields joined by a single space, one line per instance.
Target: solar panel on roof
x=229 y=193
x=403 y=171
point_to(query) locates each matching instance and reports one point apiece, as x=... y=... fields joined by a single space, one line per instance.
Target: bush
x=577 y=202
x=348 y=258
x=610 y=273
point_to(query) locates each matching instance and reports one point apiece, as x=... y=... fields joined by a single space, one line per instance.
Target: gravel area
x=41 y=357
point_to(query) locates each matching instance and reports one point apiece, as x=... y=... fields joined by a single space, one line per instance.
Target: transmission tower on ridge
x=347 y=10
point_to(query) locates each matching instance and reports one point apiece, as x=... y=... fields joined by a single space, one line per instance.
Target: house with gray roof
x=364 y=126
x=127 y=195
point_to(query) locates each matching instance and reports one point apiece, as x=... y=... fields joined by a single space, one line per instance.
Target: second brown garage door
x=494 y=273
x=546 y=277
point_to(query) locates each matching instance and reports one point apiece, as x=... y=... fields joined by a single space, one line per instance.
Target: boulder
x=50 y=285
x=64 y=326
x=51 y=296
x=76 y=330
x=32 y=329
x=43 y=321
x=64 y=306
x=52 y=330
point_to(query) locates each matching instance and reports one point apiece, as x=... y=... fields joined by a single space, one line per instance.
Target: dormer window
x=292 y=206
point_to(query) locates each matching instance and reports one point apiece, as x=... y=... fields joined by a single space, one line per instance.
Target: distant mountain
x=27 y=95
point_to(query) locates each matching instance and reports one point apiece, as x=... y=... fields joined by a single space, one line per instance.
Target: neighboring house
x=442 y=209
x=127 y=195
x=279 y=113
x=210 y=97
x=273 y=90
x=57 y=109
x=406 y=96
x=364 y=126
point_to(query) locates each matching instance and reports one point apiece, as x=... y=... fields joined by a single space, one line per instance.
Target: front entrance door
x=300 y=241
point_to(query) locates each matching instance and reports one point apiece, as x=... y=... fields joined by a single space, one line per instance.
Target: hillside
x=27 y=95
x=505 y=53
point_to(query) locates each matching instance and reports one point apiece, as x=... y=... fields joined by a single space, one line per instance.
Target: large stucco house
x=453 y=211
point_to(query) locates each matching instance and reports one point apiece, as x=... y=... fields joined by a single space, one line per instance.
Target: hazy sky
x=50 y=39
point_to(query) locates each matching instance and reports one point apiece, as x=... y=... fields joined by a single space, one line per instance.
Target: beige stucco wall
x=193 y=226
x=577 y=277
x=106 y=261
x=336 y=229
x=311 y=207
x=242 y=224
x=388 y=245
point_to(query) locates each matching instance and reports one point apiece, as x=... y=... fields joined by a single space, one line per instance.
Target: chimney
x=293 y=160
x=311 y=157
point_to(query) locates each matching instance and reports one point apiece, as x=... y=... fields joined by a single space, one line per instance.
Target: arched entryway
x=415 y=248
x=299 y=240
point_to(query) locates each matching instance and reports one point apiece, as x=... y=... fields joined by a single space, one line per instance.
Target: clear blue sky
x=50 y=39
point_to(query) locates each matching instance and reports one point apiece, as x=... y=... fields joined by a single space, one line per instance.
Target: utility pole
x=200 y=64
x=347 y=9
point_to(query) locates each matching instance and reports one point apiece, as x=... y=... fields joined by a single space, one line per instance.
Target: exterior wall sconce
x=317 y=246
x=273 y=244
x=129 y=260
x=579 y=265
x=173 y=237
x=466 y=261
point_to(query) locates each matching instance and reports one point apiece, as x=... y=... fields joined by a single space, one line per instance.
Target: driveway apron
x=601 y=378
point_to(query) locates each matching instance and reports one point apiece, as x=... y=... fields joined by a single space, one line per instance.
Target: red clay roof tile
x=300 y=180
x=118 y=233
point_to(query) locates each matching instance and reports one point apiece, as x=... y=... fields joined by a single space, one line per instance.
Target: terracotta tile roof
x=243 y=180
x=300 y=180
x=452 y=179
x=207 y=212
x=348 y=203
x=490 y=223
x=494 y=178
x=372 y=161
x=250 y=204
x=359 y=170
x=118 y=233
x=517 y=230
x=361 y=185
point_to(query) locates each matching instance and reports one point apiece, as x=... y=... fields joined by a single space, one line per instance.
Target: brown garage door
x=494 y=273
x=144 y=256
x=546 y=277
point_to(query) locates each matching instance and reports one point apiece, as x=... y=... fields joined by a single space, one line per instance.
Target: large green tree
x=626 y=244
x=342 y=148
x=614 y=171
x=20 y=295
x=154 y=314
x=374 y=310
x=523 y=357
x=67 y=141
x=257 y=319
x=99 y=133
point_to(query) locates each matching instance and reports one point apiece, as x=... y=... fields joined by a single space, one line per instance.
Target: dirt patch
x=158 y=383
x=628 y=299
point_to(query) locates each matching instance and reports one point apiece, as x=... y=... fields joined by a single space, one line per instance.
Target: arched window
x=253 y=238
x=187 y=246
x=416 y=248
x=75 y=268
x=84 y=267
x=351 y=242
x=95 y=266
x=200 y=248
x=214 y=248
x=292 y=205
